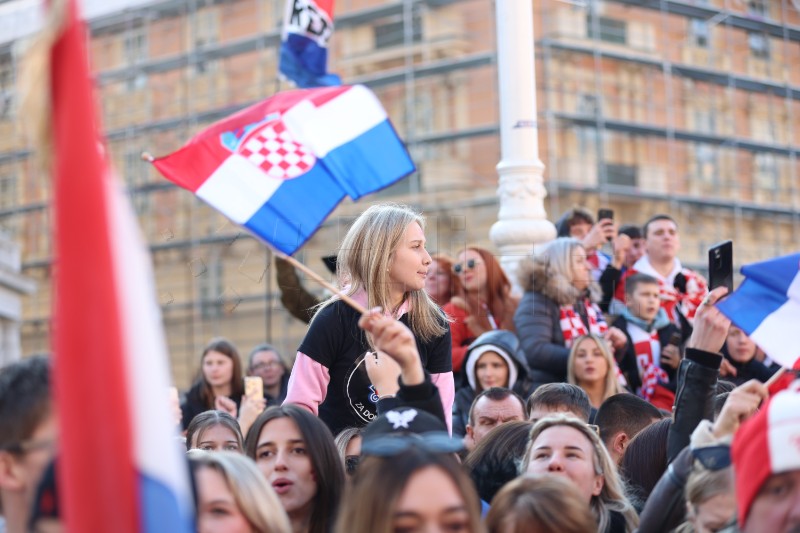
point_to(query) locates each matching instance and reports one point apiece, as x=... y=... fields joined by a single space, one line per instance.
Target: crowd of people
x=609 y=396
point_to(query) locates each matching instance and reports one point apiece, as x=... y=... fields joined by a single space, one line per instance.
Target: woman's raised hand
x=395 y=340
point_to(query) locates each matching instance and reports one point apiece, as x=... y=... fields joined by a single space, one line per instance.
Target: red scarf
x=573 y=327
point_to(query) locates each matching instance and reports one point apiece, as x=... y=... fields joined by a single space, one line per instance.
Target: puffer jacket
x=508 y=343
x=537 y=318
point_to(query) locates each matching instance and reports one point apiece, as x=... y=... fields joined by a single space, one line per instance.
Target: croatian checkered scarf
x=573 y=327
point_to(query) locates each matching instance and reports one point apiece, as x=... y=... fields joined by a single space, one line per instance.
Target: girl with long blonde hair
x=592 y=368
x=382 y=262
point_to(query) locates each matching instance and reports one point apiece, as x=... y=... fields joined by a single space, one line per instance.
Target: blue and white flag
x=767 y=307
x=307 y=27
x=280 y=167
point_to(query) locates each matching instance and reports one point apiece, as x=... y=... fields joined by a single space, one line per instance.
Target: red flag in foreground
x=120 y=467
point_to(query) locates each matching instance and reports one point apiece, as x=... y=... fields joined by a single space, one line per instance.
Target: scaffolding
x=645 y=106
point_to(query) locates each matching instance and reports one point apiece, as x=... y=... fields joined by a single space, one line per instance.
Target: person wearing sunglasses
x=559 y=305
x=409 y=479
x=384 y=263
x=483 y=302
x=565 y=446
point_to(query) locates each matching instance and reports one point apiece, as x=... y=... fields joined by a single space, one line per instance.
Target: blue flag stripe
x=751 y=304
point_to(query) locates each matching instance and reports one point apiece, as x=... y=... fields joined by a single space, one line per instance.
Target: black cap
x=395 y=431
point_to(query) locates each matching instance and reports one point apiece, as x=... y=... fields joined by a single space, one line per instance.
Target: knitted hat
x=766 y=444
x=476 y=353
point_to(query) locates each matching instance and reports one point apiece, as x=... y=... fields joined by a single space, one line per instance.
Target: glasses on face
x=389 y=445
x=266 y=366
x=28 y=446
x=469 y=264
x=713 y=457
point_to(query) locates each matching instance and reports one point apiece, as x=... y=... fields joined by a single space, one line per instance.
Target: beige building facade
x=645 y=106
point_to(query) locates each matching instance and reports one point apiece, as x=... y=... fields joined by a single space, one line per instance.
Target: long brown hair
x=379 y=483
x=497 y=292
x=325 y=461
x=225 y=347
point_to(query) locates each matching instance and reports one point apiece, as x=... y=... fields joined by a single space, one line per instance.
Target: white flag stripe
x=773 y=334
x=336 y=122
x=783 y=446
x=238 y=189
x=146 y=360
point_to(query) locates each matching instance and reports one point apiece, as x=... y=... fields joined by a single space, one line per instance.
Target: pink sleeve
x=308 y=383
x=447 y=392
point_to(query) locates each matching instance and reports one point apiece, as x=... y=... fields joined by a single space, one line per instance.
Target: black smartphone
x=720 y=266
x=605 y=213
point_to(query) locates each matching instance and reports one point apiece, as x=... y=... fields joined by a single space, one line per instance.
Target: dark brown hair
x=225 y=347
x=325 y=461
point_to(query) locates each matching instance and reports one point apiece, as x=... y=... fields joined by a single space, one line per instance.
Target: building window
x=759 y=45
x=6 y=84
x=758 y=7
x=606 y=29
x=393 y=33
x=206 y=31
x=135 y=51
x=587 y=104
x=699 y=33
x=705 y=161
x=135 y=46
x=705 y=120
x=135 y=177
x=621 y=175
x=8 y=191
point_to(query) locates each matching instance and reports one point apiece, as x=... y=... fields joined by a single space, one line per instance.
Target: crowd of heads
x=587 y=452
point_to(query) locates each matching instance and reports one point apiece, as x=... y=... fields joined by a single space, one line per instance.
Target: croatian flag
x=120 y=468
x=307 y=27
x=767 y=307
x=280 y=167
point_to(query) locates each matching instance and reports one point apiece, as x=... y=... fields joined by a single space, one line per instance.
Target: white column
x=522 y=220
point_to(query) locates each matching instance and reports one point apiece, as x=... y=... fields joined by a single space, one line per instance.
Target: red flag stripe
x=97 y=472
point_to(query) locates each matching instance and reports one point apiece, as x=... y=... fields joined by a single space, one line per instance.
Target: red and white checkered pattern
x=273 y=149
x=572 y=326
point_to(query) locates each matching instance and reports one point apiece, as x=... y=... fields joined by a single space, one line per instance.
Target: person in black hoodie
x=494 y=359
x=741 y=352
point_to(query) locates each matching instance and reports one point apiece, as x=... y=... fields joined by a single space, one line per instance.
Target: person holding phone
x=681 y=290
x=220 y=385
x=579 y=223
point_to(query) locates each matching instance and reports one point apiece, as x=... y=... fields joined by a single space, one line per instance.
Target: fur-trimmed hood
x=534 y=276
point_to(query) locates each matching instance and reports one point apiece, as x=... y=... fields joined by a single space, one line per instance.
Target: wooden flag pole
x=316 y=277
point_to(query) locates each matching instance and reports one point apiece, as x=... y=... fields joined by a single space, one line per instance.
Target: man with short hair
x=28 y=434
x=681 y=290
x=766 y=465
x=266 y=363
x=558 y=398
x=491 y=408
x=620 y=418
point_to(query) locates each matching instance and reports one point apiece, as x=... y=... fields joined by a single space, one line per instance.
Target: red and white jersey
x=672 y=301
